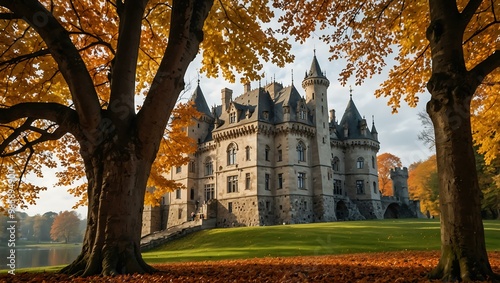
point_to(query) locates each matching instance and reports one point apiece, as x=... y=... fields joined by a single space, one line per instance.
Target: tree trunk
x=463 y=249
x=117 y=178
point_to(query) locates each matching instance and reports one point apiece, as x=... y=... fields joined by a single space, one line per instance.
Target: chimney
x=227 y=96
x=332 y=115
x=247 y=87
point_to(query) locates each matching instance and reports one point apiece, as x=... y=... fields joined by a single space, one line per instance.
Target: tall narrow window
x=209 y=167
x=232 y=117
x=359 y=187
x=373 y=162
x=301 y=181
x=280 y=155
x=360 y=163
x=191 y=194
x=232 y=184
x=230 y=207
x=335 y=164
x=301 y=152
x=209 y=192
x=267 y=152
x=267 y=185
x=337 y=187
x=247 y=181
x=192 y=167
x=178 y=169
x=375 y=187
x=280 y=181
x=178 y=193
x=247 y=153
x=231 y=154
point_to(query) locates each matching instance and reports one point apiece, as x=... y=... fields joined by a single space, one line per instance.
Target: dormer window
x=232 y=117
x=302 y=113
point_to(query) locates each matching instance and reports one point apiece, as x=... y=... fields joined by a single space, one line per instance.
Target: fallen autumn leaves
x=367 y=267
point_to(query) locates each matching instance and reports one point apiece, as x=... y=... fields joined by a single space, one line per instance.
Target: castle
x=271 y=156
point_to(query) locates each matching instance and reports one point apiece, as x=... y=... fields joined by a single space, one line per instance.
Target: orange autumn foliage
x=385 y=162
x=389 y=267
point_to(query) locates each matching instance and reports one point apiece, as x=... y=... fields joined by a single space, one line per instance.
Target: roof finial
x=198 y=78
x=292 y=76
x=314 y=51
x=350 y=91
x=373 y=120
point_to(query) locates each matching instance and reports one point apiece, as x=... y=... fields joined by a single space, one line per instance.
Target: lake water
x=40 y=256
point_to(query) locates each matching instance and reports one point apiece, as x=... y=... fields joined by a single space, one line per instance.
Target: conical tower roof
x=199 y=101
x=315 y=70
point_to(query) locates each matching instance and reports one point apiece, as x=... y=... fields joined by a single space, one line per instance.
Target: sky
x=397 y=133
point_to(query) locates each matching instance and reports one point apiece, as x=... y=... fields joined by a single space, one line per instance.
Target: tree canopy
x=385 y=163
x=30 y=72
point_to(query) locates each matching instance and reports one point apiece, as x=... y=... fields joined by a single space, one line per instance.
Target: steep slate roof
x=315 y=70
x=199 y=102
x=352 y=120
x=288 y=96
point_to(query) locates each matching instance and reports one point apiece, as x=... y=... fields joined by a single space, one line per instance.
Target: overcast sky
x=397 y=133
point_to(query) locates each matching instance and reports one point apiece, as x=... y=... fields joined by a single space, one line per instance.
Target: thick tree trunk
x=117 y=181
x=463 y=249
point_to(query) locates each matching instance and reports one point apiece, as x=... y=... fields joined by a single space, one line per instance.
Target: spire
x=315 y=70
x=199 y=101
x=374 y=130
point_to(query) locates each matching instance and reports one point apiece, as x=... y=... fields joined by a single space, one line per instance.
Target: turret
x=400 y=184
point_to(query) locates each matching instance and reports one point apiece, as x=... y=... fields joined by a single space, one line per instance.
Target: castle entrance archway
x=341 y=211
x=392 y=211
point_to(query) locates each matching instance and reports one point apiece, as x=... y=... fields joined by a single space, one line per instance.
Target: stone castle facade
x=272 y=156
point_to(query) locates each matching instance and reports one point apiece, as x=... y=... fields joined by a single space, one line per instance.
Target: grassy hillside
x=310 y=239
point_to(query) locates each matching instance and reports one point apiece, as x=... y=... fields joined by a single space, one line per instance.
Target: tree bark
x=463 y=249
x=452 y=86
x=116 y=182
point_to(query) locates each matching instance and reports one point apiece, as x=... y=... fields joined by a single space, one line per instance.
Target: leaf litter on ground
x=407 y=266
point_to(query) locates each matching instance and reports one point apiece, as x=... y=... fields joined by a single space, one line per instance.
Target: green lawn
x=310 y=239
x=305 y=239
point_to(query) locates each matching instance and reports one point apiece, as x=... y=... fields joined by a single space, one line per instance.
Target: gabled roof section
x=315 y=70
x=199 y=102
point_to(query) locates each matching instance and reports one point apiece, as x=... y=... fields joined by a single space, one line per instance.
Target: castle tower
x=315 y=85
x=400 y=184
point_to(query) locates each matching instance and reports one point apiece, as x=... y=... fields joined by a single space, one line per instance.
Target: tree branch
x=469 y=10
x=481 y=70
x=186 y=34
x=66 y=55
x=64 y=116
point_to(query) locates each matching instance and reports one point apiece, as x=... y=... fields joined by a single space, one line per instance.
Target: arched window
x=231 y=154
x=247 y=153
x=301 y=152
x=360 y=163
x=336 y=164
x=209 y=167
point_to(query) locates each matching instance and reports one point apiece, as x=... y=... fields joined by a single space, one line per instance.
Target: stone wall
x=324 y=208
x=238 y=212
x=370 y=209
